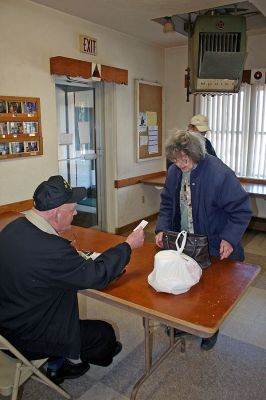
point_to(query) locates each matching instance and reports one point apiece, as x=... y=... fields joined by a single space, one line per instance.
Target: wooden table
x=199 y=311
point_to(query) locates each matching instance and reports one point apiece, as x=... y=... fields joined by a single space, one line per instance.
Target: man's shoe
x=177 y=332
x=68 y=370
x=208 y=344
x=118 y=348
x=108 y=361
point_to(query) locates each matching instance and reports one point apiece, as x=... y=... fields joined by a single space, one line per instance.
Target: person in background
x=199 y=124
x=202 y=195
x=40 y=274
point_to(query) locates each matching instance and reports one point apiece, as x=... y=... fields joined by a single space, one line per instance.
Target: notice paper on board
x=142 y=119
x=153 y=139
x=151 y=118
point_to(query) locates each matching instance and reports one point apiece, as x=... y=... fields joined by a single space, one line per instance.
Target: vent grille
x=219 y=42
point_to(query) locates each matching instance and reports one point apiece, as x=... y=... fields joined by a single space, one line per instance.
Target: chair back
x=14 y=372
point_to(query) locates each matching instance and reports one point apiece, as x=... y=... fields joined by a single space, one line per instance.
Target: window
x=238 y=128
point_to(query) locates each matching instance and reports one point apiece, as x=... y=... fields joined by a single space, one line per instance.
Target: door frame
x=99 y=138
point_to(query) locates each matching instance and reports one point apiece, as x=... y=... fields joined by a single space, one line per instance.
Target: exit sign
x=87 y=44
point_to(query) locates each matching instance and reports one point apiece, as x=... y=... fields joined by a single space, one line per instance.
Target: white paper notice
x=142 y=129
x=143 y=140
x=153 y=139
x=142 y=119
x=153 y=149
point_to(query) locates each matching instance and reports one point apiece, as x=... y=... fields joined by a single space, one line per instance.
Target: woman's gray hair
x=190 y=143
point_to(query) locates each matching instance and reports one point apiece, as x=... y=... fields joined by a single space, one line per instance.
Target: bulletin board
x=149 y=120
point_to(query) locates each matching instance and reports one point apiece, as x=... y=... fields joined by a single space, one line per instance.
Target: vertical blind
x=238 y=128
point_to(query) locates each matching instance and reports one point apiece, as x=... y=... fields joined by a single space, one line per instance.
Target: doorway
x=79 y=146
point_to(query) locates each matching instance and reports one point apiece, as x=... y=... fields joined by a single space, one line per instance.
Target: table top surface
x=201 y=310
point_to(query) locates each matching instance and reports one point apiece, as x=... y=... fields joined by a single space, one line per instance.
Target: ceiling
x=134 y=17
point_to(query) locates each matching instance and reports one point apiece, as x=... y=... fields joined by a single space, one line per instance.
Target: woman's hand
x=225 y=249
x=159 y=239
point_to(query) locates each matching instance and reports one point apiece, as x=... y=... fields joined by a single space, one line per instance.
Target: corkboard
x=149 y=110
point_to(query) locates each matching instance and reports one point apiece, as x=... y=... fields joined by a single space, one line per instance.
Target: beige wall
x=30 y=35
x=177 y=110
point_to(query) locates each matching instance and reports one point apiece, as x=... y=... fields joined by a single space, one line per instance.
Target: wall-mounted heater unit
x=217 y=51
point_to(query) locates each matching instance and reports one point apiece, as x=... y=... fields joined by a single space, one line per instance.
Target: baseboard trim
x=132 y=225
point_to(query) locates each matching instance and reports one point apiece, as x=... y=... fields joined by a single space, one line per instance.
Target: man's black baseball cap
x=55 y=192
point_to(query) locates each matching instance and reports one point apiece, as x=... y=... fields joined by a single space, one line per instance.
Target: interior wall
x=177 y=110
x=30 y=35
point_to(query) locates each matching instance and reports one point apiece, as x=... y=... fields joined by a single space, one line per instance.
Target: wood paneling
x=252 y=180
x=23 y=205
x=112 y=74
x=137 y=179
x=69 y=66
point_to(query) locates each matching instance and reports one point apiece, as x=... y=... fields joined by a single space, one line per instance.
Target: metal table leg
x=149 y=367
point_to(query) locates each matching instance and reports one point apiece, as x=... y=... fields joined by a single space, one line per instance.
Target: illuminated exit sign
x=87 y=44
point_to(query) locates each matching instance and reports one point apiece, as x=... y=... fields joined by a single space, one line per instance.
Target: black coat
x=40 y=275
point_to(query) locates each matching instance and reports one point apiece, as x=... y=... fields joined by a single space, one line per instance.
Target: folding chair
x=14 y=372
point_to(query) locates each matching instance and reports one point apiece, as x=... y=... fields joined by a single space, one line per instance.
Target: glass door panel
x=77 y=147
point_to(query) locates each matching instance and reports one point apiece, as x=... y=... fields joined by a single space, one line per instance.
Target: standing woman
x=199 y=124
x=202 y=195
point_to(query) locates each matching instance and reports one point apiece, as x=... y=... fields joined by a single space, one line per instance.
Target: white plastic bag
x=174 y=272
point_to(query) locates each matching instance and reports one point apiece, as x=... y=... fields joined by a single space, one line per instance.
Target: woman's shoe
x=209 y=343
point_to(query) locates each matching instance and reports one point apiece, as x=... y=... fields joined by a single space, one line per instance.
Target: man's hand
x=136 y=238
x=159 y=239
x=225 y=249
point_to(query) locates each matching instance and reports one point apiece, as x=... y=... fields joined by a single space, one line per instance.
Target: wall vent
x=217 y=52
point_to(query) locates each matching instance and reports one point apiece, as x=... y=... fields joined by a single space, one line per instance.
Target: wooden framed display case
x=20 y=127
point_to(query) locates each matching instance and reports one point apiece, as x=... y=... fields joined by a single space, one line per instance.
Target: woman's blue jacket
x=220 y=206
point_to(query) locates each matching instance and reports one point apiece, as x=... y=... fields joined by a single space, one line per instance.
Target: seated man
x=40 y=274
